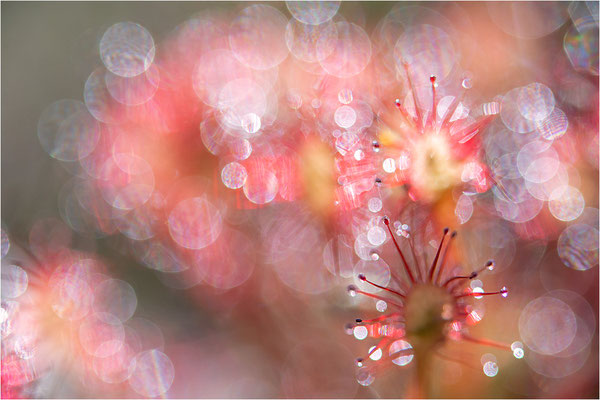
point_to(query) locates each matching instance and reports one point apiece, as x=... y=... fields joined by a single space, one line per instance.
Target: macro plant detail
x=429 y=306
x=436 y=142
x=191 y=191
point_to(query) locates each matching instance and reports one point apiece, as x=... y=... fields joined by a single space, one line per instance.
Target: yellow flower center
x=434 y=168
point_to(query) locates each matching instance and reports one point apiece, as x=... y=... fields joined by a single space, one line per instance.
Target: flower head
x=434 y=145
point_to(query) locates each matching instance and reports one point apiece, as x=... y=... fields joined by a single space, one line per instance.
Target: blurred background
x=188 y=189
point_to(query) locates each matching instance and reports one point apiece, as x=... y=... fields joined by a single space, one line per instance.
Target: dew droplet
x=490 y=369
x=345 y=96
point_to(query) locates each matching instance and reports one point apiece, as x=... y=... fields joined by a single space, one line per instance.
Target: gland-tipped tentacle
x=503 y=292
x=473 y=275
x=437 y=256
x=353 y=291
x=443 y=262
x=386 y=221
x=379 y=319
x=434 y=105
x=485 y=342
x=375 y=256
x=415 y=99
x=404 y=114
x=488 y=266
x=363 y=278
x=429 y=312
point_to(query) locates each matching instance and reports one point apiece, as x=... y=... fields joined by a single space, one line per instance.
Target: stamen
x=503 y=292
x=386 y=221
x=362 y=277
x=437 y=256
